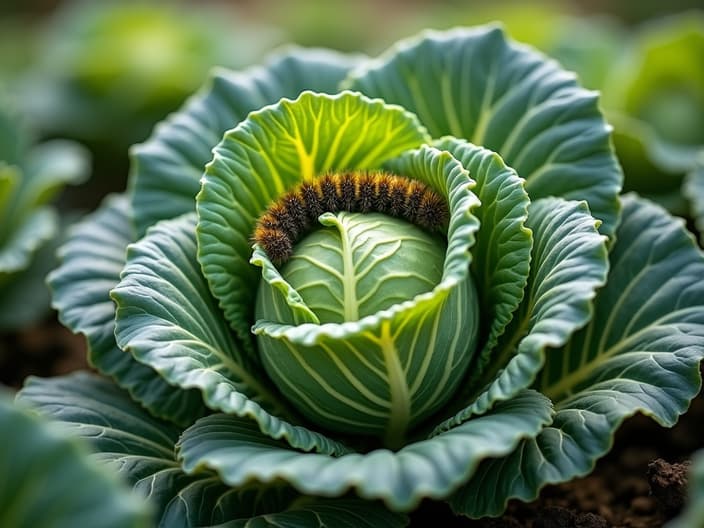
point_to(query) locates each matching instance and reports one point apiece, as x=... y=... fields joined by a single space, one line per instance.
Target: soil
x=47 y=349
x=641 y=483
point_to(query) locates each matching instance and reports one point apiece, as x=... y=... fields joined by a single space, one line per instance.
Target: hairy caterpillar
x=295 y=213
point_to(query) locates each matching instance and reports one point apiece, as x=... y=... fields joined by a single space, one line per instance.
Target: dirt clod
x=590 y=520
x=555 y=517
x=668 y=483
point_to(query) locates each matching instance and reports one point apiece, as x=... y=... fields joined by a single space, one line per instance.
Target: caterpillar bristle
x=397 y=198
x=276 y=243
x=283 y=218
x=383 y=188
x=296 y=210
x=431 y=212
x=289 y=218
x=312 y=200
x=366 y=190
x=348 y=192
x=413 y=199
x=328 y=190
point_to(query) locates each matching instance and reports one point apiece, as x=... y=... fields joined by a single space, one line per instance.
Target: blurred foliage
x=105 y=72
x=655 y=98
x=30 y=177
x=49 y=479
x=110 y=70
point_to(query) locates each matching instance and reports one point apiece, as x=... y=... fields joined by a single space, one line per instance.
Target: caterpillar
x=296 y=212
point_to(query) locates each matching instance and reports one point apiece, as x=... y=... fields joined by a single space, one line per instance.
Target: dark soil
x=641 y=483
x=47 y=349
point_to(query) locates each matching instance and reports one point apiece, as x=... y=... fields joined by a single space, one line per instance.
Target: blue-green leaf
x=239 y=452
x=477 y=85
x=141 y=449
x=167 y=319
x=48 y=479
x=501 y=255
x=694 y=190
x=640 y=353
x=568 y=263
x=91 y=262
x=24 y=297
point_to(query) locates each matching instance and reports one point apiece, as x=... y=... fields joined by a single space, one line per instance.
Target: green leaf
x=10 y=177
x=568 y=263
x=22 y=242
x=35 y=181
x=501 y=254
x=49 y=167
x=167 y=168
x=240 y=452
x=654 y=168
x=91 y=262
x=655 y=99
x=694 y=191
x=651 y=312
x=122 y=434
x=141 y=449
x=167 y=319
x=14 y=136
x=323 y=513
x=271 y=151
x=48 y=479
x=640 y=353
x=657 y=82
x=693 y=514
x=476 y=85
x=24 y=296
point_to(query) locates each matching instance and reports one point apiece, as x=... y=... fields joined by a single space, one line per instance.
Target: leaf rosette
x=377 y=356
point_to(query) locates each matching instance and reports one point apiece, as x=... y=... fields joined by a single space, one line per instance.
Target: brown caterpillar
x=295 y=213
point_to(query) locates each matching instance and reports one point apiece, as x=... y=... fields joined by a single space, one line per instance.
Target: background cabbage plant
x=654 y=96
x=30 y=177
x=589 y=307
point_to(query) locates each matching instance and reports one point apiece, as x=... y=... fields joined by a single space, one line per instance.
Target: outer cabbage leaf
x=476 y=85
x=239 y=452
x=167 y=319
x=166 y=169
x=91 y=262
x=568 y=263
x=48 y=479
x=640 y=353
x=141 y=449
